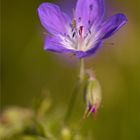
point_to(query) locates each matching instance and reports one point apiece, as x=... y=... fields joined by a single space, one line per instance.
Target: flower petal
x=52 y=18
x=89 y=52
x=89 y=11
x=53 y=44
x=112 y=25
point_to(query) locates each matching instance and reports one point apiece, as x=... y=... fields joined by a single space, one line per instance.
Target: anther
x=81 y=31
x=89 y=31
x=73 y=34
x=74 y=23
x=74 y=20
x=108 y=44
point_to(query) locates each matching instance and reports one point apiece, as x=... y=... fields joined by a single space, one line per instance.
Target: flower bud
x=92 y=96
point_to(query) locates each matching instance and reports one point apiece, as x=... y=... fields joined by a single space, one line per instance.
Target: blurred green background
x=27 y=70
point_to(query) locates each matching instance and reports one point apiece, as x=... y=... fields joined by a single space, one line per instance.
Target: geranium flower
x=82 y=34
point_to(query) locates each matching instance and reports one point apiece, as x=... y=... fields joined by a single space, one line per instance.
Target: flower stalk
x=76 y=90
x=82 y=70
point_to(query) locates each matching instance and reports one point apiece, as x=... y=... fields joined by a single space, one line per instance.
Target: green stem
x=82 y=70
x=75 y=91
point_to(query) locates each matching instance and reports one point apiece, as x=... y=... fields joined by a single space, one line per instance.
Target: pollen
x=74 y=23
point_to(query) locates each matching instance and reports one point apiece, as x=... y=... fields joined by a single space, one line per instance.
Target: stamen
x=74 y=33
x=45 y=33
x=74 y=20
x=71 y=55
x=108 y=44
x=89 y=31
x=74 y=23
x=81 y=31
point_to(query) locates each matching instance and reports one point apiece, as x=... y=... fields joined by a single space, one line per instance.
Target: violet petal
x=112 y=25
x=89 y=11
x=53 y=44
x=52 y=19
x=89 y=52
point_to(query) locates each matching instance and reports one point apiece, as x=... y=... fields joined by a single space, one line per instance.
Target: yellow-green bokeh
x=27 y=70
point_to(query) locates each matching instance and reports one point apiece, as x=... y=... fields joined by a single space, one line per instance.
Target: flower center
x=78 y=37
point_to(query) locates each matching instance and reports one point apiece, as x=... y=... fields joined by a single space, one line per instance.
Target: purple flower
x=82 y=34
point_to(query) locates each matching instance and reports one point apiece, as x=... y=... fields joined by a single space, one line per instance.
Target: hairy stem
x=75 y=90
x=82 y=70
